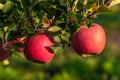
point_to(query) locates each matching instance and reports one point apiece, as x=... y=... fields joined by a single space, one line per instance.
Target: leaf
x=65 y=36
x=57 y=39
x=73 y=16
x=18 y=45
x=93 y=8
x=54 y=29
x=1 y=6
x=103 y=9
x=57 y=49
x=60 y=8
x=48 y=8
x=45 y=21
x=35 y=2
x=1 y=33
x=8 y=6
x=25 y=3
x=114 y=2
x=10 y=36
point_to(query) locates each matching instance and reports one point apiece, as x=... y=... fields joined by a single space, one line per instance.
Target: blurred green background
x=70 y=66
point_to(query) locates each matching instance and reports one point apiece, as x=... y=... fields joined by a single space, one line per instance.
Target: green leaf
x=18 y=45
x=25 y=3
x=73 y=16
x=48 y=8
x=35 y=2
x=103 y=9
x=54 y=29
x=8 y=6
x=10 y=36
x=1 y=33
x=57 y=49
x=57 y=39
x=65 y=36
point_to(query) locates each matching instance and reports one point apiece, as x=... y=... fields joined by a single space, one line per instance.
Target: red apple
x=37 y=48
x=4 y=53
x=89 y=41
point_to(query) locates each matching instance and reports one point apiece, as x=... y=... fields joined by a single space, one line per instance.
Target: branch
x=93 y=15
x=30 y=18
x=74 y=5
x=41 y=30
x=106 y=3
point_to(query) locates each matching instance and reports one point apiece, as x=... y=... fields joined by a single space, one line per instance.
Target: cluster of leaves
x=20 y=18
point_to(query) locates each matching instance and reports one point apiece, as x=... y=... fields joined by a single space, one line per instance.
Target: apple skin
x=37 y=48
x=89 y=41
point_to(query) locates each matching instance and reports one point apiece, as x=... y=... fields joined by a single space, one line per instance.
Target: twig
x=68 y=5
x=41 y=30
x=93 y=15
x=106 y=3
x=30 y=18
x=74 y=5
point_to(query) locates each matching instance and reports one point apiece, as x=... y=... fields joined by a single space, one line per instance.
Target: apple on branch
x=89 y=41
x=37 y=48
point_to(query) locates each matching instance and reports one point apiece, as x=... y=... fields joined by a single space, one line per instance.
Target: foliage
x=21 y=18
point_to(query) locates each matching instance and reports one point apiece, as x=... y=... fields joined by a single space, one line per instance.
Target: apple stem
x=74 y=5
x=83 y=24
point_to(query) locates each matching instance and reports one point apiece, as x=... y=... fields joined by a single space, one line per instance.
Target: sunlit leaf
x=114 y=2
x=65 y=36
x=93 y=8
x=54 y=29
x=57 y=49
x=57 y=39
x=8 y=6
x=1 y=6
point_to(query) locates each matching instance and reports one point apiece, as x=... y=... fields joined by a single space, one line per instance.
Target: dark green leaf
x=35 y=2
x=25 y=3
x=10 y=36
x=18 y=45
x=73 y=16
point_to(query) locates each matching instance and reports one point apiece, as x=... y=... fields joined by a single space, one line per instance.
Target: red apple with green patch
x=37 y=48
x=89 y=41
